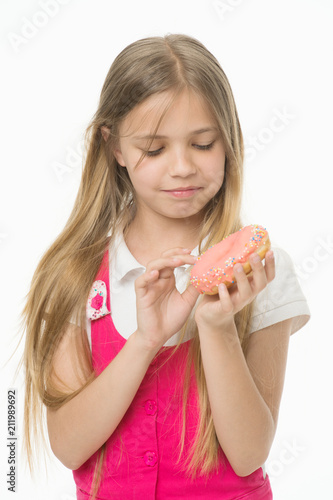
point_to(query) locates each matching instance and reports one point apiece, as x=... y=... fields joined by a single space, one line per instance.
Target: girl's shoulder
x=283 y=297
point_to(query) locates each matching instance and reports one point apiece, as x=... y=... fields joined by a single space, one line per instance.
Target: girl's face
x=184 y=166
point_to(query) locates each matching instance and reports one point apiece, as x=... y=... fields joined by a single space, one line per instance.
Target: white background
x=277 y=56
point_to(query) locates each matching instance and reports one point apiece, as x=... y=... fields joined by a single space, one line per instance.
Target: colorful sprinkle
x=217 y=273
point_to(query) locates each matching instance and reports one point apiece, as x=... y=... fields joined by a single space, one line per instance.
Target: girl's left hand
x=215 y=311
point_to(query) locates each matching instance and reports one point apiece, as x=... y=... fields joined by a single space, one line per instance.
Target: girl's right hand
x=161 y=309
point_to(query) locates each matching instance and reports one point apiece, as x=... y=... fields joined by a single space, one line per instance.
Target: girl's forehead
x=186 y=110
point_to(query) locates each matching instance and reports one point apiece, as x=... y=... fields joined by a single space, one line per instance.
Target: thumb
x=142 y=282
x=190 y=295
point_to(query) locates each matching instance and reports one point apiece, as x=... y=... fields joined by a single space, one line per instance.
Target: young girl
x=152 y=392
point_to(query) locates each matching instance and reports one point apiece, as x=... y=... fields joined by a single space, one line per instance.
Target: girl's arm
x=244 y=393
x=81 y=426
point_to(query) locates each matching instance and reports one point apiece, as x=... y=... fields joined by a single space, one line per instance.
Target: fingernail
x=239 y=268
x=256 y=258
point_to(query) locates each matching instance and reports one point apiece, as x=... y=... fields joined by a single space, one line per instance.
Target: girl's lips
x=183 y=192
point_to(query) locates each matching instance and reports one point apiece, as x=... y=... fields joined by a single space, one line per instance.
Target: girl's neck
x=147 y=241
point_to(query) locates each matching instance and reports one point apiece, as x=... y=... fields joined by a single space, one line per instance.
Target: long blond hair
x=106 y=203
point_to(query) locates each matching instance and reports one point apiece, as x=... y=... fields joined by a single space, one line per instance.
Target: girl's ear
x=119 y=157
x=117 y=153
x=105 y=132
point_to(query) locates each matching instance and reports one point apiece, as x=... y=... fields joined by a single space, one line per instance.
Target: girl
x=151 y=392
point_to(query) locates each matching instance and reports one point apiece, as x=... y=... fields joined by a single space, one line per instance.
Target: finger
x=225 y=299
x=146 y=279
x=176 y=251
x=170 y=262
x=243 y=284
x=270 y=266
x=259 y=278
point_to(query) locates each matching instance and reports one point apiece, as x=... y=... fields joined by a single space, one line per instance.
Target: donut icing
x=216 y=265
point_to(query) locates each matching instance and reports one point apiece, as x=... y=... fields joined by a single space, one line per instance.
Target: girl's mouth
x=183 y=192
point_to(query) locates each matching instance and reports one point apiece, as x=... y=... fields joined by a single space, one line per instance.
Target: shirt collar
x=123 y=262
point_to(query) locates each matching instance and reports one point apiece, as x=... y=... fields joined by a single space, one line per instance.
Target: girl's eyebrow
x=195 y=132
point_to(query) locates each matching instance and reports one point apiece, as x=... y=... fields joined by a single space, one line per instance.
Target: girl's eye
x=154 y=153
x=204 y=147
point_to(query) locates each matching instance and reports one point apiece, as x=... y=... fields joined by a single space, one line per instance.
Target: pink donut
x=216 y=265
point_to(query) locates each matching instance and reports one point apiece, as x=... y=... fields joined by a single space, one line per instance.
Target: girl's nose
x=181 y=164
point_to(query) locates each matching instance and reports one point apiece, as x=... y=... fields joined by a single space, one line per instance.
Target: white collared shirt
x=281 y=299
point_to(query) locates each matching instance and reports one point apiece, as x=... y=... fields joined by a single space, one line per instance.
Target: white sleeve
x=282 y=298
x=73 y=321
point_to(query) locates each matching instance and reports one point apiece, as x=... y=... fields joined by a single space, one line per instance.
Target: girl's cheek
x=216 y=181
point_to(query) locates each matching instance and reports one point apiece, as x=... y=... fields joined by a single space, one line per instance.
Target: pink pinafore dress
x=141 y=454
